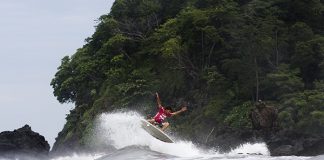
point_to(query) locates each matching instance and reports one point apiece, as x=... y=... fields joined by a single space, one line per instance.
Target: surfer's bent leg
x=151 y=120
x=165 y=125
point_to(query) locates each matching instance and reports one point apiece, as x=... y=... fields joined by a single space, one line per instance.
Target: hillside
x=218 y=57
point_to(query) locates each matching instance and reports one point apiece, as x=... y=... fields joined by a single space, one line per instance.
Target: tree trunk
x=202 y=50
x=257 y=79
x=277 y=50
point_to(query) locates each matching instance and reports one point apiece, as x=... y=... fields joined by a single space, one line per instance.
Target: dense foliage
x=219 y=56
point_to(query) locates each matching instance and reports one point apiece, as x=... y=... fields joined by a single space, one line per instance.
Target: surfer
x=163 y=113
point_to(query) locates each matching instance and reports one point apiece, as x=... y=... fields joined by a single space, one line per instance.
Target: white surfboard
x=155 y=132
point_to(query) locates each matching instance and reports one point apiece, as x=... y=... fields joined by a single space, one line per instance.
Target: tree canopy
x=220 y=56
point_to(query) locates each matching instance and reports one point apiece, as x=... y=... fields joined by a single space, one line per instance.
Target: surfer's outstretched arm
x=158 y=100
x=177 y=112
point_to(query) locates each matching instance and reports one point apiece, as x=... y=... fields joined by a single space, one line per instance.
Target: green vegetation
x=220 y=56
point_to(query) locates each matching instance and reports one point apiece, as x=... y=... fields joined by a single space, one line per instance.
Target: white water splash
x=78 y=157
x=248 y=148
x=124 y=129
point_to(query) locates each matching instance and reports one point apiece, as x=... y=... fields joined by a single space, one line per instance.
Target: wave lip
x=123 y=129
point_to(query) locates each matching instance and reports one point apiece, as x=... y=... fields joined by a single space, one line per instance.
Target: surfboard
x=155 y=132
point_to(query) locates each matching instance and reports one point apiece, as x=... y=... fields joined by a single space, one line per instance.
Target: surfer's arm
x=177 y=112
x=158 y=100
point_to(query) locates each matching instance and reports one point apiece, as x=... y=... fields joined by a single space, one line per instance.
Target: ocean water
x=129 y=141
x=122 y=130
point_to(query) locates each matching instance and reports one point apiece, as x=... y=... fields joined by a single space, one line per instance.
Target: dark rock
x=265 y=129
x=23 y=142
x=264 y=117
x=67 y=146
x=313 y=147
x=286 y=143
x=284 y=150
x=283 y=142
x=226 y=138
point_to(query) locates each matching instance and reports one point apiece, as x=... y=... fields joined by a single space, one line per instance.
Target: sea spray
x=123 y=129
x=249 y=148
x=78 y=157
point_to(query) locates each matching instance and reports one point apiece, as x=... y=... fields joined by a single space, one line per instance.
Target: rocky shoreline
x=286 y=143
x=280 y=143
x=23 y=143
x=265 y=128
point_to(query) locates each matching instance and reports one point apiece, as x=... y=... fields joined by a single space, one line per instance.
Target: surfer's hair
x=169 y=108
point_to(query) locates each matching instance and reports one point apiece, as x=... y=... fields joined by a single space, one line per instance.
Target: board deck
x=155 y=132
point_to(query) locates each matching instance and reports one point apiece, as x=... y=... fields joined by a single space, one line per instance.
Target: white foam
x=123 y=129
x=78 y=157
x=249 y=148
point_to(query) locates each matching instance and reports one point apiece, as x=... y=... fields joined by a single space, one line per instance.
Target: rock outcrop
x=226 y=138
x=23 y=142
x=264 y=117
x=283 y=142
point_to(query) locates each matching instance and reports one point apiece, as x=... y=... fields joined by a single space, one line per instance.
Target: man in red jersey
x=163 y=113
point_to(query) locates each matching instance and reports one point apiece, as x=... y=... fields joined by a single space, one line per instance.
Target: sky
x=34 y=36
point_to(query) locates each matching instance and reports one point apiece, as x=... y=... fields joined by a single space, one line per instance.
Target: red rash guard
x=161 y=115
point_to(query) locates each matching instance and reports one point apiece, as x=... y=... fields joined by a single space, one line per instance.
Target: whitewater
x=130 y=142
